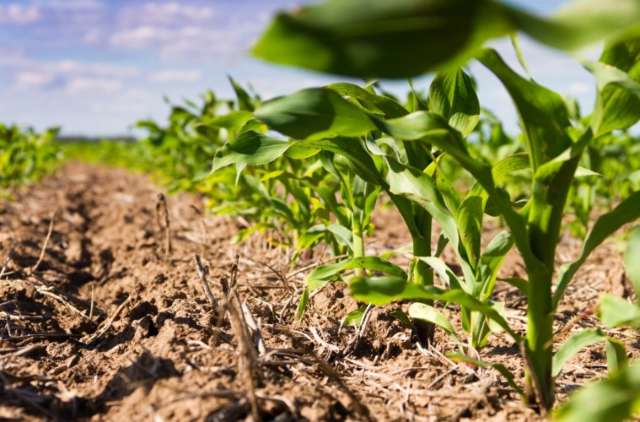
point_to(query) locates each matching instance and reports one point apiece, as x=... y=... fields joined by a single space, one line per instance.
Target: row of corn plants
x=401 y=152
x=26 y=155
x=314 y=165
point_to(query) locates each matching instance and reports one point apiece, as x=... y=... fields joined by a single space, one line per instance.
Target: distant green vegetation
x=26 y=155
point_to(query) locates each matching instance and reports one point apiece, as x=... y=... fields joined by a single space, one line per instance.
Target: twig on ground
x=164 y=222
x=46 y=242
x=203 y=274
x=248 y=355
x=281 y=277
x=104 y=327
x=328 y=371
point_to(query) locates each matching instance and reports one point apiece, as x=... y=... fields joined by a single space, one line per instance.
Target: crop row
x=311 y=168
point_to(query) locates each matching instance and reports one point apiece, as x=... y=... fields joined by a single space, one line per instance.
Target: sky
x=94 y=67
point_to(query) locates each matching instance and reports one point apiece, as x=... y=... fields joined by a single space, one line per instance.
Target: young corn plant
x=25 y=155
x=617 y=397
x=400 y=39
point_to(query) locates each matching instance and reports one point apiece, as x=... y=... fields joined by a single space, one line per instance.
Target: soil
x=112 y=325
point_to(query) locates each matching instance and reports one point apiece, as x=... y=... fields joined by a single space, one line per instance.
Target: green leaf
x=375 y=38
x=491 y=261
x=519 y=283
x=616 y=312
x=616 y=355
x=580 y=23
x=251 y=148
x=469 y=221
x=361 y=162
x=384 y=290
x=632 y=259
x=244 y=99
x=452 y=95
x=354 y=318
x=406 y=38
x=607 y=224
x=302 y=304
x=314 y=113
x=233 y=121
x=573 y=345
x=320 y=276
x=618 y=101
x=614 y=399
x=430 y=314
x=506 y=373
x=542 y=112
x=372 y=102
x=418 y=187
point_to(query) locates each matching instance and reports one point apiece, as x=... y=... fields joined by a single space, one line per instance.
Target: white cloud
x=192 y=42
x=176 y=75
x=109 y=70
x=19 y=13
x=93 y=86
x=165 y=13
x=140 y=37
x=72 y=4
x=31 y=79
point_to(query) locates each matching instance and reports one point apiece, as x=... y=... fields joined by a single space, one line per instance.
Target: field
x=341 y=252
x=155 y=347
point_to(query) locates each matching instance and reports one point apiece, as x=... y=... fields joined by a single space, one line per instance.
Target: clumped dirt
x=111 y=325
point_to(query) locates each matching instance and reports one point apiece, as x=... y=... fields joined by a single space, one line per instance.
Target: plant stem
x=539 y=346
x=357 y=242
x=422 y=273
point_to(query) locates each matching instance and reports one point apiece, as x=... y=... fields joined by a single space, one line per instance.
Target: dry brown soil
x=109 y=325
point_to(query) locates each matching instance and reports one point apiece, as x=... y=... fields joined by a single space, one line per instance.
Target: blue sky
x=95 y=66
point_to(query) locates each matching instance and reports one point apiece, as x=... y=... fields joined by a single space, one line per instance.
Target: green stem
x=422 y=273
x=539 y=345
x=357 y=243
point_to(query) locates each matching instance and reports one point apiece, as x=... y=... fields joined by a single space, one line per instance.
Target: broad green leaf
x=421 y=189
x=320 y=276
x=384 y=290
x=430 y=314
x=580 y=23
x=632 y=259
x=618 y=101
x=406 y=38
x=503 y=170
x=452 y=95
x=314 y=113
x=491 y=261
x=251 y=148
x=385 y=105
x=425 y=127
x=376 y=38
x=607 y=224
x=351 y=149
x=232 y=121
x=614 y=399
x=617 y=312
x=573 y=345
x=444 y=272
x=542 y=112
x=341 y=233
x=469 y=221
